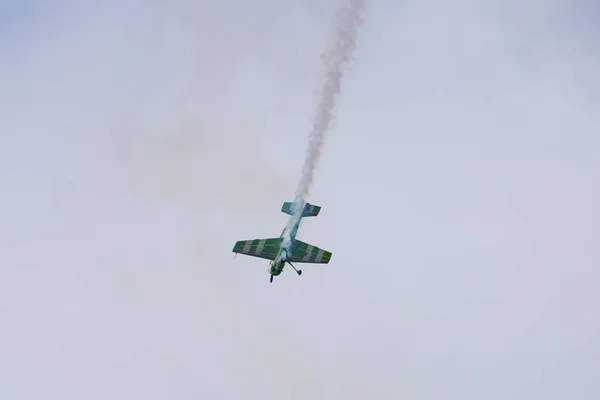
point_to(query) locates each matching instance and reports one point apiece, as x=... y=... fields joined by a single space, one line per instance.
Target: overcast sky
x=140 y=139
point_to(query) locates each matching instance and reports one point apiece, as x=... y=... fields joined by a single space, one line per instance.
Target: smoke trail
x=336 y=59
x=338 y=56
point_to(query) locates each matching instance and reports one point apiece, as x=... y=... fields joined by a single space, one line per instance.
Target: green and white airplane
x=286 y=248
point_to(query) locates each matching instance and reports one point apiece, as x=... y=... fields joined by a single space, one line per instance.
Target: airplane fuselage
x=276 y=266
x=289 y=232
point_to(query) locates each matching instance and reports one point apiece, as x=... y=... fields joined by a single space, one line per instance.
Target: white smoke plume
x=336 y=59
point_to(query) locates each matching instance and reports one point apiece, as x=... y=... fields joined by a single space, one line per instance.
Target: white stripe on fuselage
x=292 y=226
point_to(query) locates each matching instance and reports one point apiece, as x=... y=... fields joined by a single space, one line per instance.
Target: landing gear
x=298 y=271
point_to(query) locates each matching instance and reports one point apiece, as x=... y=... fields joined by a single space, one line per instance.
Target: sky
x=459 y=184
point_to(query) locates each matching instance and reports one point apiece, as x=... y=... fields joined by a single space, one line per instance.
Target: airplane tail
x=310 y=210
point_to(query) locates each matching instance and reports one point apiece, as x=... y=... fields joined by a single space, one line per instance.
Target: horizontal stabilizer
x=310 y=210
x=262 y=248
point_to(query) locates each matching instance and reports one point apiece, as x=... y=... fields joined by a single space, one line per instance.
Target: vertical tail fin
x=310 y=210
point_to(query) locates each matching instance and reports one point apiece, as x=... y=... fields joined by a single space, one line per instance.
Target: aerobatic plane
x=286 y=248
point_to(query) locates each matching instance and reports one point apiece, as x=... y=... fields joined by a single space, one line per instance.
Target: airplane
x=286 y=248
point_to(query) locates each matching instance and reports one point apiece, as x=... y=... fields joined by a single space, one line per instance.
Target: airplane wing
x=306 y=253
x=262 y=248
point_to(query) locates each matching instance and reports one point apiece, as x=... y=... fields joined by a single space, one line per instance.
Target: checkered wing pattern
x=306 y=253
x=262 y=248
